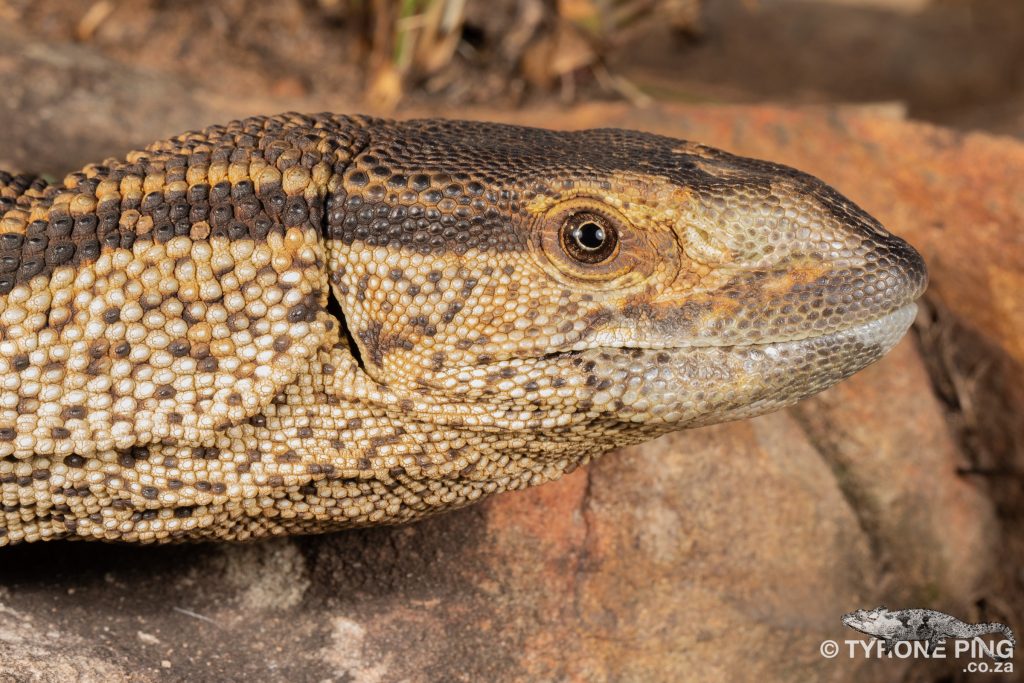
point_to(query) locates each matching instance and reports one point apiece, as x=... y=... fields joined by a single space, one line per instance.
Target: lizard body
x=299 y=323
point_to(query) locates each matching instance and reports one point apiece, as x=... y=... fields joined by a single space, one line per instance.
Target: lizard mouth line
x=898 y=317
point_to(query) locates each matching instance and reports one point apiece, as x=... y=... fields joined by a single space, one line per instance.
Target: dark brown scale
x=261 y=227
x=296 y=211
x=298 y=313
x=179 y=209
x=198 y=194
x=220 y=192
x=11 y=242
x=199 y=212
x=274 y=203
x=152 y=202
x=221 y=216
x=74 y=412
x=247 y=208
x=206 y=453
x=179 y=348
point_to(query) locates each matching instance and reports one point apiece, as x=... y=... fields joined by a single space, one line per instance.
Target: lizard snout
x=783 y=258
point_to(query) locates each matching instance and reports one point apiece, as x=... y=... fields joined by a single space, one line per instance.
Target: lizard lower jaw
x=689 y=386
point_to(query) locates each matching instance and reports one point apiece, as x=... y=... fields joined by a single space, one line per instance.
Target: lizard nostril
x=700 y=246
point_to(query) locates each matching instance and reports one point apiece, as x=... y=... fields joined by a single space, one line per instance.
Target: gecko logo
x=922 y=633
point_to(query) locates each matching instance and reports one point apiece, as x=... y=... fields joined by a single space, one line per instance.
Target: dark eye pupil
x=589 y=236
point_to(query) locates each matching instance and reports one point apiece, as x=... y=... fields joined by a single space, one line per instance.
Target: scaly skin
x=300 y=323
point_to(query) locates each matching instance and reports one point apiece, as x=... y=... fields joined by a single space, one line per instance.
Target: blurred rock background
x=724 y=553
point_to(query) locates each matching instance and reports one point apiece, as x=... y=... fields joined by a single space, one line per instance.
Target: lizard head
x=871 y=622
x=607 y=281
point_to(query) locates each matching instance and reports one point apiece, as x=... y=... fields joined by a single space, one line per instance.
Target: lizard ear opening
x=345 y=332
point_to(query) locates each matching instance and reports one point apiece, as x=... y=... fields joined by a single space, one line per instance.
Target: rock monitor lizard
x=296 y=323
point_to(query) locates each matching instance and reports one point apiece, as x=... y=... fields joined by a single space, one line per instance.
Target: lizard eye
x=589 y=238
x=589 y=242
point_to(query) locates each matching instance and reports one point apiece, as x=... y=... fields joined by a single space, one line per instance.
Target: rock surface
x=724 y=553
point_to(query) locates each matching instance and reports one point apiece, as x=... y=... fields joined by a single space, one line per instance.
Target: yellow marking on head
x=798 y=274
x=724 y=307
